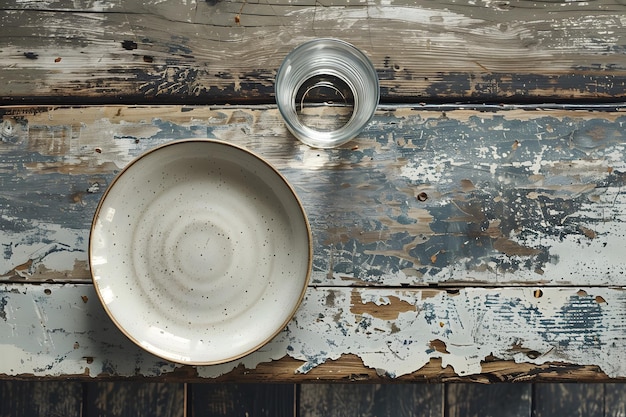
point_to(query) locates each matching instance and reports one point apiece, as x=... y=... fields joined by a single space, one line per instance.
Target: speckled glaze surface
x=200 y=251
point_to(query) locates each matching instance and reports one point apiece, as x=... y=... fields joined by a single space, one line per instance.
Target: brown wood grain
x=349 y=369
x=228 y=51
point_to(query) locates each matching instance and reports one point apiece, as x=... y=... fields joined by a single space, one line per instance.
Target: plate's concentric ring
x=200 y=251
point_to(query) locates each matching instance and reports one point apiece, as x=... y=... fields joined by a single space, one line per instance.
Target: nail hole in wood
x=533 y=354
x=129 y=45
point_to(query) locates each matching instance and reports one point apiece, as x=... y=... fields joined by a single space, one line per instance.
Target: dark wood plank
x=228 y=51
x=572 y=400
x=134 y=399
x=40 y=398
x=499 y=400
x=254 y=400
x=615 y=400
x=369 y=400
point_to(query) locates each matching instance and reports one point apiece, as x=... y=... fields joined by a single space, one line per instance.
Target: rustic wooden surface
x=62 y=330
x=218 y=51
x=34 y=398
x=478 y=242
x=500 y=400
x=422 y=197
x=614 y=400
x=369 y=400
x=573 y=400
x=103 y=399
x=138 y=399
x=484 y=244
x=262 y=400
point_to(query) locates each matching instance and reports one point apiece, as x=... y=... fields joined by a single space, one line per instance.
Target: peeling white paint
x=559 y=324
x=48 y=246
x=428 y=172
x=473 y=325
x=599 y=259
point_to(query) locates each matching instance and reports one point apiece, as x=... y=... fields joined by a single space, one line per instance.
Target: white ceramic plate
x=200 y=252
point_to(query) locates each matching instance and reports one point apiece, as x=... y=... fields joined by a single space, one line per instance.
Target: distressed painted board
x=350 y=334
x=489 y=196
x=217 y=51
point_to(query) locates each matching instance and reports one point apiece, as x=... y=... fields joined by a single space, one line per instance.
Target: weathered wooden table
x=453 y=239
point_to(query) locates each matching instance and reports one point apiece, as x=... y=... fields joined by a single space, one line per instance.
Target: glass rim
x=336 y=58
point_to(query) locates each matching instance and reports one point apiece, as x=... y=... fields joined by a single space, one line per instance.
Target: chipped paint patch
x=42 y=248
x=385 y=308
x=420 y=197
x=62 y=334
x=474 y=324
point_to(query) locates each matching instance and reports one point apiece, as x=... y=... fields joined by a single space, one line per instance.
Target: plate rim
x=272 y=168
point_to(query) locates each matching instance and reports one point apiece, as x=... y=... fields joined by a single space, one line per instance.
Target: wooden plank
x=61 y=330
x=499 y=400
x=349 y=368
x=422 y=197
x=574 y=400
x=134 y=399
x=369 y=400
x=228 y=51
x=263 y=400
x=614 y=400
x=40 y=398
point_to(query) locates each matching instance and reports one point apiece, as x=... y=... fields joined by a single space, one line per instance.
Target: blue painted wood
x=500 y=197
x=422 y=197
